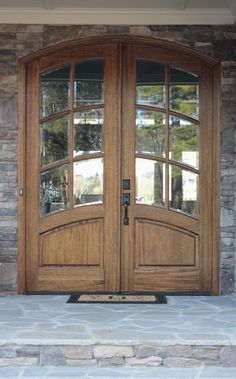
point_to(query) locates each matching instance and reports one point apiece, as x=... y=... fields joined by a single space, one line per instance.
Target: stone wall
x=19 y=40
x=118 y=355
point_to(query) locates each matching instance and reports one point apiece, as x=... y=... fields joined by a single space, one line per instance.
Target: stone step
x=110 y=373
x=188 y=332
x=185 y=355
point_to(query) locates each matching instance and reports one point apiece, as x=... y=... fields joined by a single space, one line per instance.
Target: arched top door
x=119 y=169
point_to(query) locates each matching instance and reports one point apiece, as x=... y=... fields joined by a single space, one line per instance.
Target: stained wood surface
x=87 y=248
x=161 y=245
x=77 y=244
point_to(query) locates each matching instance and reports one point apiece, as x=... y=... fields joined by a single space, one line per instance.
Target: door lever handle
x=126 y=218
x=126 y=203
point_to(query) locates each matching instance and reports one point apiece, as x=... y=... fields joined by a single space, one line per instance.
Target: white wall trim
x=117 y=16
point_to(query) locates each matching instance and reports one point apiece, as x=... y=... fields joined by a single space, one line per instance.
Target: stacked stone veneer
x=19 y=40
x=114 y=355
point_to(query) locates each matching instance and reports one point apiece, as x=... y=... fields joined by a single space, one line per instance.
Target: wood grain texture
x=112 y=176
x=167 y=280
x=21 y=180
x=166 y=250
x=77 y=244
x=161 y=245
x=32 y=177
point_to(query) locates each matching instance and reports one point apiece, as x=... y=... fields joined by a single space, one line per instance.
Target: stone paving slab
x=46 y=319
x=109 y=373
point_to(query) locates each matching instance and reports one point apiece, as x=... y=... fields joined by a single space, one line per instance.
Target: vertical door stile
x=32 y=169
x=128 y=164
x=112 y=169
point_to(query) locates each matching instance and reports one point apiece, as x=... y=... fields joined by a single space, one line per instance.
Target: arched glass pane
x=55 y=140
x=150 y=132
x=54 y=190
x=184 y=92
x=184 y=191
x=55 y=91
x=88 y=181
x=184 y=141
x=149 y=182
x=88 y=137
x=89 y=83
x=150 y=83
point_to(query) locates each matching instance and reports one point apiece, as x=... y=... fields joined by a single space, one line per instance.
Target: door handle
x=126 y=203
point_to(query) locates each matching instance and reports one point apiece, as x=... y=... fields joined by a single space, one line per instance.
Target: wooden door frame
x=22 y=109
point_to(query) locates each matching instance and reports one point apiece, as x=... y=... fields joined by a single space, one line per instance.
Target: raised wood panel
x=183 y=280
x=157 y=244
x=71 y=278
x=76 y=244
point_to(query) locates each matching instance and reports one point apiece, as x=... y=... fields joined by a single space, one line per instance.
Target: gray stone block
x=52 y=356
x=206 y=352
x=7 y=352
x=144 y=351
x=28 y=351
x=180 y=351
x=8 y=274
x=228 y=356
x=112 y=351
x=82 y=362
x=111 y=362
x=181 y=362
x=149 y=361
x=77 y=352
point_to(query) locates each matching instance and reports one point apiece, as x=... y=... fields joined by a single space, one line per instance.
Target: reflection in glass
x=149 y=182
x=150 y=83
x=184 y=191
x=88 y=132
x=54 y=140
x=184 y=141
x=53 y=190
x=89 y=83
x=184 y=92
x=55 y=91
x=88 y=181
x=150 y=132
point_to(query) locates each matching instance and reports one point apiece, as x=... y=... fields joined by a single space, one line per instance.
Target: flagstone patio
x=45 y=335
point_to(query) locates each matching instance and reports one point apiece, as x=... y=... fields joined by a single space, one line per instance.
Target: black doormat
x=117 y=298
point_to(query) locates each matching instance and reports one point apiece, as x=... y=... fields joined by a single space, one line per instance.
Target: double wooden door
x=119 y=170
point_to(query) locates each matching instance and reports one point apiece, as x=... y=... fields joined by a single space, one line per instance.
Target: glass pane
x=88 y=181
x=149 y=182
x=54 y=190
x=184 y=191
x=150 y=83
x=184 y=141
x=88 y=132
x=184 y=92
x=89 y=83
x=55 y=140
x=150 y=132
x=55 y=91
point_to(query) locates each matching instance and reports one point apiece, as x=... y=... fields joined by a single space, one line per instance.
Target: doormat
x=117 y=298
